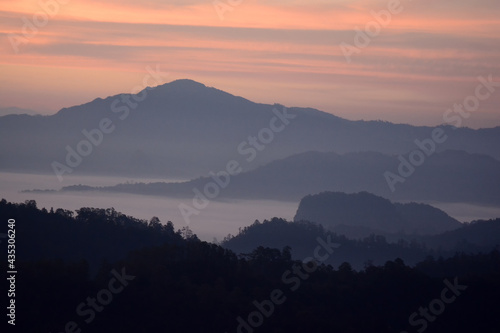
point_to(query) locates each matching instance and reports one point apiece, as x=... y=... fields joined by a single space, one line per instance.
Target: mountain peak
x=189 y=93
x=186 y=83
x=182 y=84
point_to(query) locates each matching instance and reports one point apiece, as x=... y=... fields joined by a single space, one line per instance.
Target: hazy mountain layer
x=186 y=129
x=450 y=176
x=302 y=237
x=373 y=214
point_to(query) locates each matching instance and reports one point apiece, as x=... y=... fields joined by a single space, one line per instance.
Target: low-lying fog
x=217 y=220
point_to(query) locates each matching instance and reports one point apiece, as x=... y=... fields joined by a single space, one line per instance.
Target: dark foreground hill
x=180 y=284
x=364 y=213
x=92 y=234
x=185 y=129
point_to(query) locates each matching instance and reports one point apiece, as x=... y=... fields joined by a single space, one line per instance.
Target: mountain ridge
x=292 y=178
x=186 y=129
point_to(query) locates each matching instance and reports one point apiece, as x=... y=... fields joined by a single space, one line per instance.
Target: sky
x=404 y=61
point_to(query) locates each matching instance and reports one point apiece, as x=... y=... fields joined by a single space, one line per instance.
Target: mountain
x=449 y=176
x=16 y=111
x=475 y=236
x=302 y=238
x=74 y=267
x=186 y=129
x=94 y=235
x=364 y=212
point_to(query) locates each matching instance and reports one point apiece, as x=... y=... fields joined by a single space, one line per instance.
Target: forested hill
x=368 y=213
x=171 y=281
x=95 y=235
x=301 y=237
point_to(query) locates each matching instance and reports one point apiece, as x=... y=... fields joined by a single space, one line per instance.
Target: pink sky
x=423 y=61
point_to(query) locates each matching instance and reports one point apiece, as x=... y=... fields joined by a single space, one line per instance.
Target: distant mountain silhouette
x=185 y=129
x=354 y=214
x=16 y=111
x=449 y=176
